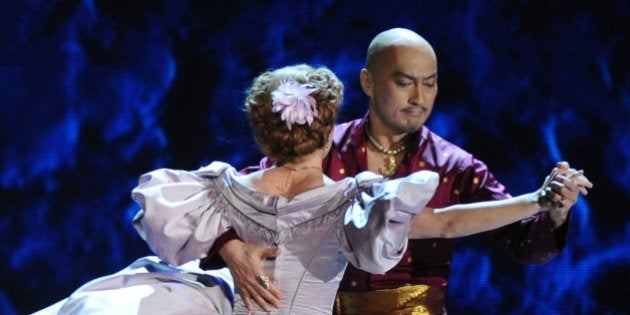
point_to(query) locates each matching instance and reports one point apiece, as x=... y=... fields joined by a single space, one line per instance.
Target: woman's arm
x=466 y=219
x=560 y=192
x=375 y=229
x=179 y=218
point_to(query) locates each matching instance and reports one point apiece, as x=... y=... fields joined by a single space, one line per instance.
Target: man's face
x=402 y=88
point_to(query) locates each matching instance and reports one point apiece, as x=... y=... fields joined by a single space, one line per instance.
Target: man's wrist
x=558 y=217
x=214 y=259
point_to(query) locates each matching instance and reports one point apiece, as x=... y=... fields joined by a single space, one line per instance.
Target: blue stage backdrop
x=95 y=93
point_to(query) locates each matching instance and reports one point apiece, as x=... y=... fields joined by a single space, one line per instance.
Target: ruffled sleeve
x=181 y=212
x=376 y=226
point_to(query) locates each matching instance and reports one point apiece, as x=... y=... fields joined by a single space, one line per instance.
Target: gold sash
x=410 y=299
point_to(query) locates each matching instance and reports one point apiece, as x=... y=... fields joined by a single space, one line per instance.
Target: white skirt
x=150 y=286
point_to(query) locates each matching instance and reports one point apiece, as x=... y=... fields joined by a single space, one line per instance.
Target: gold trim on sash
x=410 y=299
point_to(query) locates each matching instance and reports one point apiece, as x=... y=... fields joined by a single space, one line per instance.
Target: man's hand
x=244 y=261
x=564 y=186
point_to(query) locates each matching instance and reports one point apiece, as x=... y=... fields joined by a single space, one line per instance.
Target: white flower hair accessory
x=295 y=102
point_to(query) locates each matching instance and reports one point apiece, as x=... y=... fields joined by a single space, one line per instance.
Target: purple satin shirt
x=463 y=179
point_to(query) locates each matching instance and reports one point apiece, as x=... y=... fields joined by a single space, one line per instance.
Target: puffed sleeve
x=181 y=213
x=376 y=226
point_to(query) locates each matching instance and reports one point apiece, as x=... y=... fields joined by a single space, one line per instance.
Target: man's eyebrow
x=413 y=78
x=431 y=76
x=405 y=75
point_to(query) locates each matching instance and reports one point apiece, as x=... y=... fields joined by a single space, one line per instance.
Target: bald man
x=400 y=80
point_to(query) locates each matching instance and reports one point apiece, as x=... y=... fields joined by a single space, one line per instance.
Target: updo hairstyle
x=271 y=133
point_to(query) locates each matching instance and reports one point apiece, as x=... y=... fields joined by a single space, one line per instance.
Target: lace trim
x=271 y=237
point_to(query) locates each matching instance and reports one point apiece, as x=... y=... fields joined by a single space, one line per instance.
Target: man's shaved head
x=391 y=38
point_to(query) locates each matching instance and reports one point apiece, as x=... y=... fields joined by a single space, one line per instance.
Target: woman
x=318 y=224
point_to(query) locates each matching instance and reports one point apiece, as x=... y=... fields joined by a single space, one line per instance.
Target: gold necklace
x=293 y=170
x=389 y=169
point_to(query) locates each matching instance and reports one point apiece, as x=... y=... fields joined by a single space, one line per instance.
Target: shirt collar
x=358 y=138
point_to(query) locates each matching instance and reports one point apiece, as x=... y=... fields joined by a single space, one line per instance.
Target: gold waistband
x=410 y=299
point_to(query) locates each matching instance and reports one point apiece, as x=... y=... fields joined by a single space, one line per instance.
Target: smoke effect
x=95 y=93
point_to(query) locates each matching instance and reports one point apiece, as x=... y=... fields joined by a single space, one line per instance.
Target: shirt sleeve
x=377 y=225
x=180 y=216
x=531 y=240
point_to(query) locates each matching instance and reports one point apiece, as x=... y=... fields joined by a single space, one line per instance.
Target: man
x=400 y=79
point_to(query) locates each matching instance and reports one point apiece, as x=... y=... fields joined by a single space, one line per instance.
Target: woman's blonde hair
x=271 y=133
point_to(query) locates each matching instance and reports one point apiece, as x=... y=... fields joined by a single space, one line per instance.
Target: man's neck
x=384 y=136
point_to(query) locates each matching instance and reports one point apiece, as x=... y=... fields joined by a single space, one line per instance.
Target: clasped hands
x=560 y=191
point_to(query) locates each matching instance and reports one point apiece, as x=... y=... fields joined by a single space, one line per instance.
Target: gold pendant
x=390 y=169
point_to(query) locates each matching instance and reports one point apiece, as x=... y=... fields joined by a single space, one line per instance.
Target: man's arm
x=538 y=239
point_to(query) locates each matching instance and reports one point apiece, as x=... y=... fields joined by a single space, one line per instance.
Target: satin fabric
x=149 y=286
x=363 y=220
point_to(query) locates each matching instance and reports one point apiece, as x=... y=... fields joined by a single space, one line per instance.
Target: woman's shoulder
x=215 y=169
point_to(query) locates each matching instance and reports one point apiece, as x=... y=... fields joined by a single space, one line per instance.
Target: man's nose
x=417 y=97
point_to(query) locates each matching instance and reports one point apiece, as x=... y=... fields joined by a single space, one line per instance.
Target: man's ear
x=365 y=77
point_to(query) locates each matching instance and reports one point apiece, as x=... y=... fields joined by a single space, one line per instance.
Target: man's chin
x=411 y=126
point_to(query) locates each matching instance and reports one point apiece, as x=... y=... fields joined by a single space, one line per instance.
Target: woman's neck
x=309 y=160
x=290 y=178
x=299 y=175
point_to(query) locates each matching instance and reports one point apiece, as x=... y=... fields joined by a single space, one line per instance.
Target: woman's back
x=318 y=231
x=306 y=228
